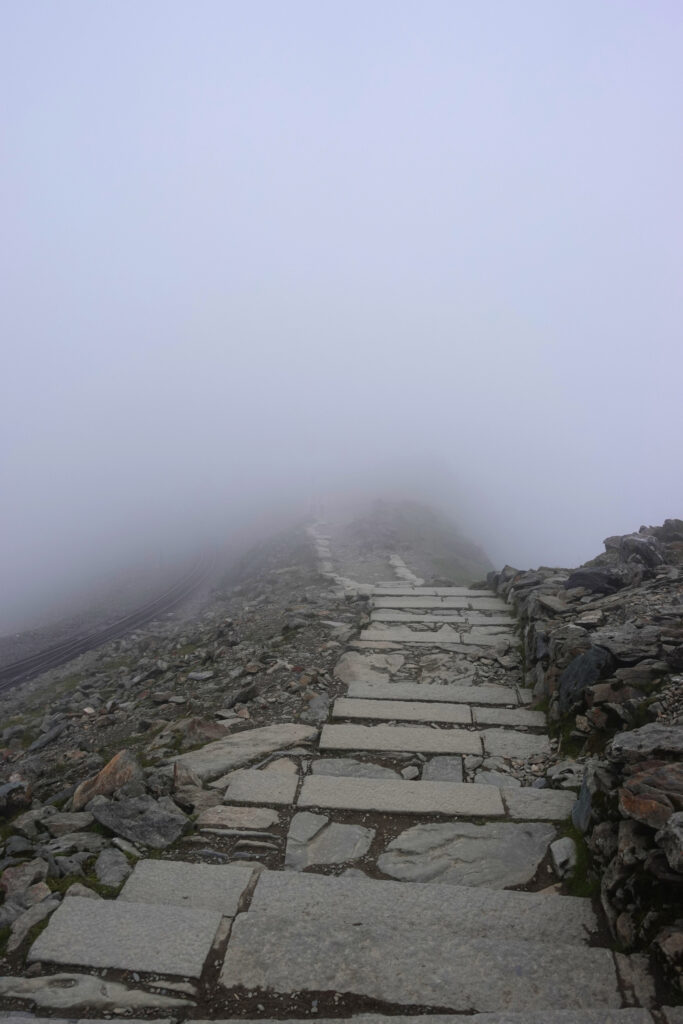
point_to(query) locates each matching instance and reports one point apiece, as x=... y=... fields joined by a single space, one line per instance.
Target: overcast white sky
x=251 y=248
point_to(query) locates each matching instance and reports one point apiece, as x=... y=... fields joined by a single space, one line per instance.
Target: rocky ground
x=330 y=791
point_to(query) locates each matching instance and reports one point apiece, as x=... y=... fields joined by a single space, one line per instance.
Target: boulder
x=651 y=796
x=652 y=740
x=141 y=820
x=586 y=669
x=122 y=769
x=670 y=838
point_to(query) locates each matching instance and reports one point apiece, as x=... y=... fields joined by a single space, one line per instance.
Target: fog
x=255 y=253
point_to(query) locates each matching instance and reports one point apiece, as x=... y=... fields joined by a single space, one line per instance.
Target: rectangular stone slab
x=459 y=693
x=464 y=618
x=472 y=910
x=630 y=1016
x=402 y=590
x=510 y=717
x=403 y=635
x=507 y=743
x=217 y=887
x=128 y=936
x=414 y=739
x=524 y=803
x=481 y=604
x=413 y=965
x=219 y=757
x=405 y=710
x=390 y=796
x=254 y=787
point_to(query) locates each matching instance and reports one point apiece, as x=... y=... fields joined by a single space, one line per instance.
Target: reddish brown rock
x=122 y=768
x=653 y=795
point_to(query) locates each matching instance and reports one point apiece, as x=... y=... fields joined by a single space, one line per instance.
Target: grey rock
x=317 y=710
x=60 y=824
x=670 y=838
x=112 y=867
x=348 y=767
x=530 y=804
x=491 y=778
x=142 y=820
x=312 y=839
x=587 y=668
x=563 y=854
x=71 y=991
x=23 y=924
x=653 y=740
x=356 y=666
x=508 y=743
x=496 y=855
x=128 y=936
x=411 y=771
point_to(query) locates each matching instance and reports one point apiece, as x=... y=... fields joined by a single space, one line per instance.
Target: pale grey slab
x=507 y=743
x=465 y=692
x=214 y=759
x=405 y=635
x=217 y=887
x=128 y=936
x=402 y=710
x=487 y=913
x=261 y=787
x=479 y=604
x=409 y=738
x=413 y=965
x=630 y=1016
x=529 y=804
x=510 y=717
x=349 y=767
x=313 y=839
x=402 y=797
x=463 y=617
x=443 y=769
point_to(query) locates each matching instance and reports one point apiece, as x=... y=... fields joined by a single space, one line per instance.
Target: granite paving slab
x=508 y=743
x=464 y=617
x=261 y=787
x=510 y=717
x=496 y=854
x=479 y=604
x=218 y=887
x=414 y=591
x=530 y=804
x=256 y=818
x=443 y=769
x=144 y=937
x=402 y=797
x=463 y=692
x=630 y=1016
x=313 y=839
x=408 y=738
x=402 y=710
x=413 y=965
x=492 y=913
x=219 y=757
x=349 y=767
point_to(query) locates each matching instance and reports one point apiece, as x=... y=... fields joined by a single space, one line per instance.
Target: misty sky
x=254 y=250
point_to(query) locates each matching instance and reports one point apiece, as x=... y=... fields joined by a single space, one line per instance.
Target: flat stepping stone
x=481 y=912
x=349 y=767
x=412 y=965
x=629 y=1016
x=255 y=818
x=403 y=635
x=511 y=717
x=464 y=617
x=402 y=590
x=478 y=604
x=464 y=692
x=216 y=887
x=313 y=839
x=508 y=743
x=221 y=756
x=144 y=937
x=443 y=769
x=407 y=711
x=401 y=797
x=496 y=855
x=529 y=804
x=414 y=739
x=262 y=787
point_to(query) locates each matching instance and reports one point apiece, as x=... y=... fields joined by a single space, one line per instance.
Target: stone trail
x=419 y=917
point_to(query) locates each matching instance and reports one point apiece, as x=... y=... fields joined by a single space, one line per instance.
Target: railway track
x=52 y=657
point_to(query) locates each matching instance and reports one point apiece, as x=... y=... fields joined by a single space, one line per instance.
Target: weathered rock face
x=122 y=769
x=603 y=645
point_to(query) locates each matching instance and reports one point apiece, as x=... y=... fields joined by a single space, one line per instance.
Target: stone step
x=418 y=739
x=630 y=1016
x=216 y=887
x=409 y=739
x=442 y=635
x=422 y=711
x=407 y=961
x=415 y=591
x=398 y=796
x=465 y=692
x=393 y=600
x=144 y=937
x=475 y=911
x=465 y=617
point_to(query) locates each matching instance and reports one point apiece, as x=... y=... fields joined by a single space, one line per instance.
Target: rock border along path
x=382 y=782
